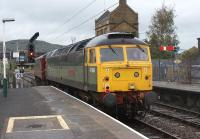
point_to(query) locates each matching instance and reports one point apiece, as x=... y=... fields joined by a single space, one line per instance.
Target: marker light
x=106 y=78
x=117 y=74
x=107 y=89
x=136 y=74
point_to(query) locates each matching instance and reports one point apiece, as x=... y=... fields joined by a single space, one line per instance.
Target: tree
x=190 y=54
x=162 y=31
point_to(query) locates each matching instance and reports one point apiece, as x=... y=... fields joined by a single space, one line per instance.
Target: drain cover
x=36 y=123
x=34 y=126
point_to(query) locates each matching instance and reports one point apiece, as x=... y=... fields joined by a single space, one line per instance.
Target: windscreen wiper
x=112 y=49
x=140 y=48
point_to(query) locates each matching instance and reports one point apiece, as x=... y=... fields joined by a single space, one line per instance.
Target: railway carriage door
x=90 y=70
x=85 y=69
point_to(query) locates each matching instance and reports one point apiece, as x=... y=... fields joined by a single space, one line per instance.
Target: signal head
x=176 y=49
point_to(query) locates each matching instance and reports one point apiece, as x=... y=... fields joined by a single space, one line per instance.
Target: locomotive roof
x=106 y=39
x=115 y=38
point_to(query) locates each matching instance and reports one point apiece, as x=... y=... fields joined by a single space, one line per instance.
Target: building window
x=105 y=30
x=101 y=31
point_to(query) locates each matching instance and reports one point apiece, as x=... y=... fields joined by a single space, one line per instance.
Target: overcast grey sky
x=47 y=16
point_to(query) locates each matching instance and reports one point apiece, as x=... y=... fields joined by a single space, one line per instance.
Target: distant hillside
x=41 y=46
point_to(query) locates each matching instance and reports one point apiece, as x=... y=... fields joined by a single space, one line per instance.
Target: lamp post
x=5 y=82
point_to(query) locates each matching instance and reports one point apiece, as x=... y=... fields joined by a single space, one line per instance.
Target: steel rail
x=160 y=131
x=177 y=108
x=26 y=78
x=181 y=119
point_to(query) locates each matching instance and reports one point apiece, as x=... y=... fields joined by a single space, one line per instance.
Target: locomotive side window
x=92 y=57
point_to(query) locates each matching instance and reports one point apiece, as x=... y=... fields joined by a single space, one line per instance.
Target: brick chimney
x=198 y=44
x=122 y=2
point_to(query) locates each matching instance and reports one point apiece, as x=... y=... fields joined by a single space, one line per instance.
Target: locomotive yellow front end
x=123 y=69
x=125 y=76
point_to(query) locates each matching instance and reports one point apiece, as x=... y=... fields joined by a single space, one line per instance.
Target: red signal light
x=31 y=52
x=163 y=48
x=170 y=48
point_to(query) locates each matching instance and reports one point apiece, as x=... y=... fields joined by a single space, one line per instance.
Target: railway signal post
x=31 y=48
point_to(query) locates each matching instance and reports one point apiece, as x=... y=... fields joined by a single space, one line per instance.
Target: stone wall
x=122 y=19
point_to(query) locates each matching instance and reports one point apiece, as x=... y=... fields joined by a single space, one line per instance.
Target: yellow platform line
x=62 y=122
x=10 y=125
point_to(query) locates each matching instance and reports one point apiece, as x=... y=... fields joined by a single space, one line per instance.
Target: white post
x=17 y=46
x=4 y=52
x=5 y=82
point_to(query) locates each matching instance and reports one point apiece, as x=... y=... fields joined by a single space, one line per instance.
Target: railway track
x=177 y=108
x=178 y=122
x=29 y=78
x=140 y=125
x=150 y=131
x=185 y=116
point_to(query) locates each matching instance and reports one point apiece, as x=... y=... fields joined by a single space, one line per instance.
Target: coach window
x=92 y=57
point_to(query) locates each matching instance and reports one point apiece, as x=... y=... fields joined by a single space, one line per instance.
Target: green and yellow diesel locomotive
x=113 y=69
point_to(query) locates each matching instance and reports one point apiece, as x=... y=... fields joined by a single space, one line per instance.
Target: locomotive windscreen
x=111 y=54
x=134 y=53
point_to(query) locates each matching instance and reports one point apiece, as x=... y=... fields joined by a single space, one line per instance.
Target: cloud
x=48 y=16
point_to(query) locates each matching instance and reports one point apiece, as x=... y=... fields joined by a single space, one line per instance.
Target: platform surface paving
x=177 y=86
x=47 y=113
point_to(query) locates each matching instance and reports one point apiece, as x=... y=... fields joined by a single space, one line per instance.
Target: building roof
x=103 y=17
x=106 y=16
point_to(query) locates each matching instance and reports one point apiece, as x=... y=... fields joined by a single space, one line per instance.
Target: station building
x=198 y=39
x=8 y=53
x=121 y=19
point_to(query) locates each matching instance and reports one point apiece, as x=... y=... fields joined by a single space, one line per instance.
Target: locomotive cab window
x=137 y=54
x=111 y=54
x=92 y=56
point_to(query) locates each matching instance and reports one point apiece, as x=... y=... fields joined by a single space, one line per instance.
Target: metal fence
x=195 y=73
x=9 y=72
x=167 y=70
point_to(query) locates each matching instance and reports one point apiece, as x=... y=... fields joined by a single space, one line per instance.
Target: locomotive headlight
x=136 y=74
x=117 y=75
x=131 y=86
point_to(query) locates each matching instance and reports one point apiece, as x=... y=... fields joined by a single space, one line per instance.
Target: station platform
x=48 y=113
x=177 y=86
